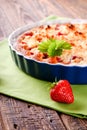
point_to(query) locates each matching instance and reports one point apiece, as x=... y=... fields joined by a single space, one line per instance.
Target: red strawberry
x=62 y=92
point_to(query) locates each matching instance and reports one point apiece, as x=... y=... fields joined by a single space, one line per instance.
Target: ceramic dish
x=75 y=74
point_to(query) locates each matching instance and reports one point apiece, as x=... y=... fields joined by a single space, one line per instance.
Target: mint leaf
x=62 y=44
x=66 y=46
x=53 y=51
x=43 y=47
x=54 y=47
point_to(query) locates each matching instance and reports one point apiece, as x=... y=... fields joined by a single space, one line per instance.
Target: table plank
x=15 y=114
x=18 y=115
x=15 y=13
x=73 y=123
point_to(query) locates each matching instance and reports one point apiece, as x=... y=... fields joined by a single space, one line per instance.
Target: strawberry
x=62 y=92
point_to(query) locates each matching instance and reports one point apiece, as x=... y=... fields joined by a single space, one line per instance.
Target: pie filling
x=74 y=34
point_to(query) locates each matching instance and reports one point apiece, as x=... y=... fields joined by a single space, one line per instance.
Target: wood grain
x=19 y=115
x=16 y=13
x=73 y=123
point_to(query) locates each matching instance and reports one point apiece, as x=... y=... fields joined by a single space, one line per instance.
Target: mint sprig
x=54 y=47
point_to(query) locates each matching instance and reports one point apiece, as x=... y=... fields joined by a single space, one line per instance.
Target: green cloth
x=17 y=84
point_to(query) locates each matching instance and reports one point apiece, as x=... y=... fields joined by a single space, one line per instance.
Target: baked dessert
x=52 y=50
x=75 y=34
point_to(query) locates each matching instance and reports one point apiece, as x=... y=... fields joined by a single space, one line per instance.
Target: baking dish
x=75 y=74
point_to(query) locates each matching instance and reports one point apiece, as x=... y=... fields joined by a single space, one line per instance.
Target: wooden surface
x=19 y=115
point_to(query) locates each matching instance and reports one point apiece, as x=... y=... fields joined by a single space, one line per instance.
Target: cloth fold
x=17 y=84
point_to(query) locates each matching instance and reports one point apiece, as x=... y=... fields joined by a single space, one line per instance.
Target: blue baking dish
x=75 y=74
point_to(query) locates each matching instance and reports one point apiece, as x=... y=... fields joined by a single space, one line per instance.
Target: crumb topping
x=74 y=34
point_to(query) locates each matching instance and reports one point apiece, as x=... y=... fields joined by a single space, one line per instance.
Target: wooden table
x=19 y=115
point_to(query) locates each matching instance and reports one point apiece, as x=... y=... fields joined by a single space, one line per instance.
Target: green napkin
x=17 y=84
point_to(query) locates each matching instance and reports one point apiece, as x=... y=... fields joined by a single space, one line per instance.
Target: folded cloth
x=17 y=84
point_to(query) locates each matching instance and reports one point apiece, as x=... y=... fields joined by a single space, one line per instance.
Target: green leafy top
x=54 y=47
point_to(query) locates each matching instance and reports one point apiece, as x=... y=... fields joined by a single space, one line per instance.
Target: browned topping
x=53 y=60
x=45 y=55
x=78 y=33
x=71 y=26
x=75 y=34
x=28 y=34
x=77 y=59
x=41 y=27
x=39 y=56
x=48 y=27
